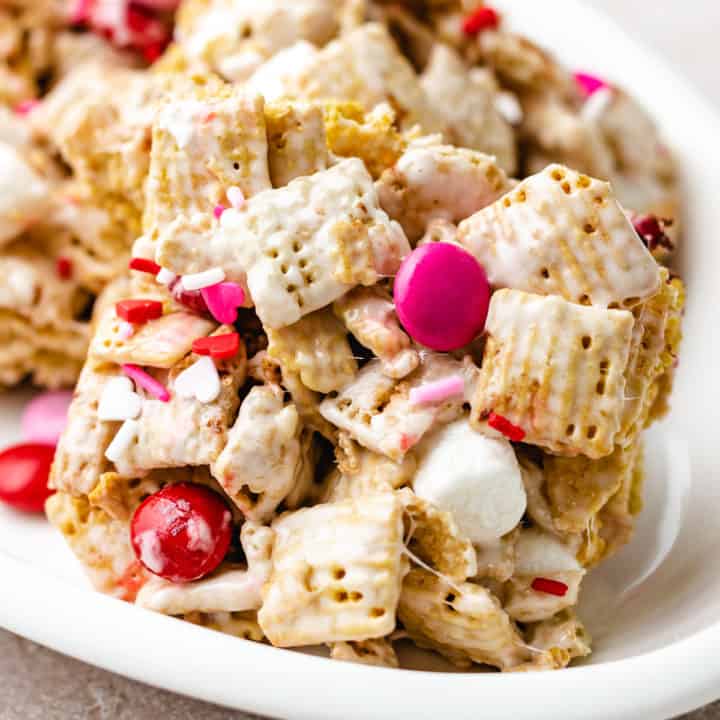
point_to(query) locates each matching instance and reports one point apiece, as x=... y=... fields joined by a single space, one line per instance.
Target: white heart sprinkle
x=200 y=380
x=123 y=439
x=166 y=277
x=119 y=401
x=198 y=281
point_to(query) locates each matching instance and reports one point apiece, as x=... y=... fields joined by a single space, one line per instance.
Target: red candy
x=217 y=346
x=442 y=296
x=550 y=587
x=484 y=18
x=139 y=311
x=191 y=299
x=652 y=232
x=182 y=532
x=24 y=472
x=144 y=265
x=504 y=426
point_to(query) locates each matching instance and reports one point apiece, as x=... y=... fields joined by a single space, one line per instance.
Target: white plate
x=654 y=610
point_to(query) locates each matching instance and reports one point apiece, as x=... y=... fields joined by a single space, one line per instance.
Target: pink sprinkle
x=219 y=210
x=438 y=391
x=236 y=197
x=26 y=107
x=223 y=300
x=126 y=330
x=147 y=382
x=589 y=84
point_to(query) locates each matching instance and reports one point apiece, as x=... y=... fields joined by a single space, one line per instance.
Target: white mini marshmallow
x=538 y=553
x=123 y=439
x=166 y=277
x=475 y=478
x=198 y=281
x=200 y=380
x=119 y=401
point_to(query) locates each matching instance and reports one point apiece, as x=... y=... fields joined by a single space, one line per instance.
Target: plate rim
x=233 y=670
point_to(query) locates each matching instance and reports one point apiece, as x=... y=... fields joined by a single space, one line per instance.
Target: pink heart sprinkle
x=589 y=84
x=223 y=300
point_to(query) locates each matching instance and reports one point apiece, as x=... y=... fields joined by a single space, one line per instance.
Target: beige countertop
x=38 y=684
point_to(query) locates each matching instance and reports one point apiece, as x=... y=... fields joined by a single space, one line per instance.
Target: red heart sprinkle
x=484 y=18
x=139 y=311
x=217 y=346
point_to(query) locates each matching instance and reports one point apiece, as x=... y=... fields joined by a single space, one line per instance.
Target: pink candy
x=218 y=211
x=147 y=382
x=45 y=417
x=589 y=84
x=436 y=392
x=223 y=300
x=442 y=296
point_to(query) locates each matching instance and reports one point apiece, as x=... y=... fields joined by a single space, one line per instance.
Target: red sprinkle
x=484 y=18
x=219 y=210
x=217 y=346
x=504 y=426
x=550 y=587
x=64 y=268
x=144 y=265
x=139 y=311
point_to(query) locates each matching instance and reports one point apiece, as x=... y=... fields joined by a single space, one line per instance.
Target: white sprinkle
x=508 y=106
x=166 y=277
x=119 y=401
x=151 y=553
x=597 y=104
x=200 y=380
x=123 y=439
x=198 y=281
x=236 y=197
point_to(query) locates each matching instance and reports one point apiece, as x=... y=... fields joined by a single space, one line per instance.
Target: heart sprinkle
x=217 y=346
x=200 y=381
x=223 y=300
x=123 y=439
x=119 y=401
